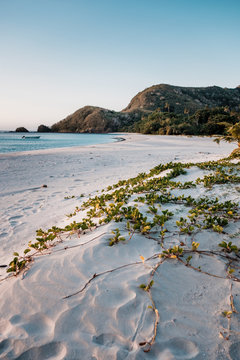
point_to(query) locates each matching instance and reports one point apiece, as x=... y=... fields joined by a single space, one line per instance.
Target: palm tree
x=186 y=111
x=167 y=106
x=233 y=134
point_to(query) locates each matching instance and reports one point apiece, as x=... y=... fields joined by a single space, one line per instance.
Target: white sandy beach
x=111 y=317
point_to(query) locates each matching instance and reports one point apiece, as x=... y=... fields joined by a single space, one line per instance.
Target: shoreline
x=128 y=137
x=17 y=153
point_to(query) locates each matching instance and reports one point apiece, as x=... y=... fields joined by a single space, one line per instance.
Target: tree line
x=208 y=121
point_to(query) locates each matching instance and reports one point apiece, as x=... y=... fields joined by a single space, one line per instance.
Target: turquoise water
x=12 y=142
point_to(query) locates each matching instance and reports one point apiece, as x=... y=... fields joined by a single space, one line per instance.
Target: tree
x=167 y=106
x=233 y=134
x=186 y=112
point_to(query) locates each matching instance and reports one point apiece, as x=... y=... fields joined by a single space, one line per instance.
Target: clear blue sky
x=59 y=55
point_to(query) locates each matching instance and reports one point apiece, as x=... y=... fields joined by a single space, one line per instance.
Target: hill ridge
x=162 y=97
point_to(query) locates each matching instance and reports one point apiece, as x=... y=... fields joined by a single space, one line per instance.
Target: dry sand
x=111 y=317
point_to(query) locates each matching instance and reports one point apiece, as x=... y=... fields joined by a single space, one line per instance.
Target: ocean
x=13 y=142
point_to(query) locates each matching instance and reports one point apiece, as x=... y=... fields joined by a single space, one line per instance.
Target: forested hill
x=179 y=99
x=181 y=102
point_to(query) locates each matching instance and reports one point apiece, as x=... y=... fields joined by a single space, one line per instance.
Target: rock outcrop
x=43 y=129
x=21 y=129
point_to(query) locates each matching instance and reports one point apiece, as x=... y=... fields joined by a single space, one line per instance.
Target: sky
x=57 y=56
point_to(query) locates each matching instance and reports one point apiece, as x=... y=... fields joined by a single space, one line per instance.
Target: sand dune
x=111 y=316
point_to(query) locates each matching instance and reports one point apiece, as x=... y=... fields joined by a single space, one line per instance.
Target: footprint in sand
x=27 y=208
x=5 y=345
x=53 y=350
x=13 y=220
x=22 y=200
x=37 y=326
x=178 y=348
x=4 y=234
x=110 y=340
x=56 y=193
x=15 y=217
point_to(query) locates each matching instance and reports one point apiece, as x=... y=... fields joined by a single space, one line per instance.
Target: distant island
x=161 y=109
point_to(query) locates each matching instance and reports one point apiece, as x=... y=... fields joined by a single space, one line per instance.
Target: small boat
x=30 y=137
